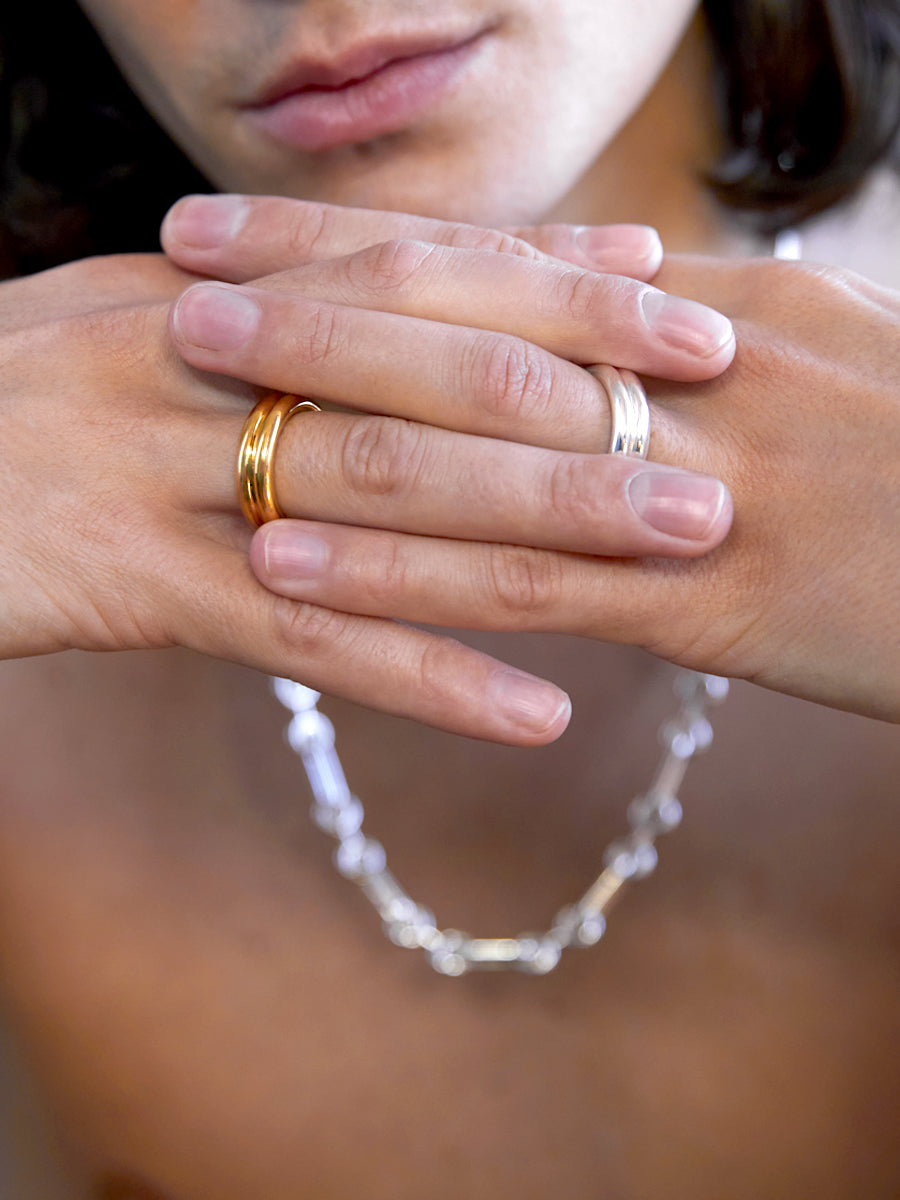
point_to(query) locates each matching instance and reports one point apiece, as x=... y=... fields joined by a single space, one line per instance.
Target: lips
x=372 y=89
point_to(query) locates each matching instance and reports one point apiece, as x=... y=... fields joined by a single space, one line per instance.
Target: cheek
x=567 y=79
x=560 y=107
x=566 y=74
x=618 y=51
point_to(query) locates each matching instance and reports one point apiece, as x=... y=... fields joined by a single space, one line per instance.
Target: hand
x=461 y=341
x=121 y=528
x=803 y=597
x=240 y=238
x=805 y=428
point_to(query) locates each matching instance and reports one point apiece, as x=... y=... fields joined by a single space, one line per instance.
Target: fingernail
x=677 y=503
x=205 y=222
x=616 y=248
x=215 y=316
x=529 y=702
x=685 y=324
x=292 y=554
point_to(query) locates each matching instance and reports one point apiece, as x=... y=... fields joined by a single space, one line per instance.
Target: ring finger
x=380 y=472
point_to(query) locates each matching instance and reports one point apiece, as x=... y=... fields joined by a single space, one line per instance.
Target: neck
x=653 y=172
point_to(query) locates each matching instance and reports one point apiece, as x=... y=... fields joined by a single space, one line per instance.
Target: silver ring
x=628 y=410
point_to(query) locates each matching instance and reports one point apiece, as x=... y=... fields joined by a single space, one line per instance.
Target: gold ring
x=256 y=452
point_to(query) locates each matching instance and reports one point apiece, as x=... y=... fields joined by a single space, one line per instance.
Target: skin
x=188 y=581
x=209 y=1015
x=573 y=73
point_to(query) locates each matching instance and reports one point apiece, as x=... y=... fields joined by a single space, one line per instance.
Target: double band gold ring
x=256 y=454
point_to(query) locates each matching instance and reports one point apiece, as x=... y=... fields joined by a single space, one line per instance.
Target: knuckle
x=826 y=282
x=523 y=582
x=309 y=230
x=800 y=272
x=307 y=629
x=382 y=456
x=572 y=491
x=510 y=379
x=385 y=571
x=438 y=665
x=493 y=240
x=577 y=294
x=555 y=240
x=389 y=265
x=323 y=336
x=768 y=287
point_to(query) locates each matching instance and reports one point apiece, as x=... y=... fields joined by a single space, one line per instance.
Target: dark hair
x=810 y=100
x=84 y=169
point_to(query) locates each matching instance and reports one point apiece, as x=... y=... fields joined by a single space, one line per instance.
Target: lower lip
x=385 y=102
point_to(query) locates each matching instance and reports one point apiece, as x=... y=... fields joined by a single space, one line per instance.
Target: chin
x=457 y=187
x=489 y=208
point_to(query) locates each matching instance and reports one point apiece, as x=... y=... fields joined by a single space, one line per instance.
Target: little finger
x=240 y=238
x=371 y=661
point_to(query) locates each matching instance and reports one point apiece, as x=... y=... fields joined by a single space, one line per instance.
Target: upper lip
x=357 y=62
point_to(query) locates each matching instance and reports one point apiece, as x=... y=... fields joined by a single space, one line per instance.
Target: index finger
x=239 y=238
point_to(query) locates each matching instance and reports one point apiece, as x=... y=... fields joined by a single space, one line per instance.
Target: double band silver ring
x=628 y=410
